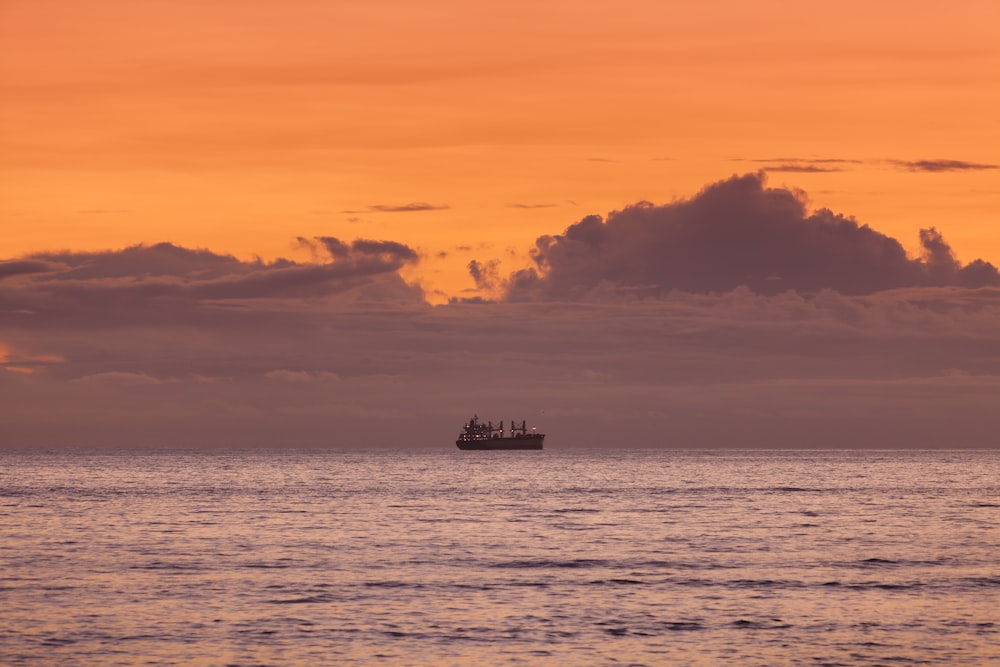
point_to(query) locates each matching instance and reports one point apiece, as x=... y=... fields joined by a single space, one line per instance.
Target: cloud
x=403 y=208
x=805 y=165
x=802 y=168
x=392 y=252
x=942 y=165
x=167 y=283
x=486 y=275
x=300 y=376
x=23 y=267
x=827 y=165
x=119 y=377
x=161 y=259
x=19 y=362
x=530 y=206
x=736 y=232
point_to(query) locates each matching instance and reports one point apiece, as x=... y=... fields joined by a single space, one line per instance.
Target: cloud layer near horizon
x=172 y=284
x=734 y=233
x=167 y=346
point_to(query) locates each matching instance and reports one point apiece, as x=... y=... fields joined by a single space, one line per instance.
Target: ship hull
x=531 y=442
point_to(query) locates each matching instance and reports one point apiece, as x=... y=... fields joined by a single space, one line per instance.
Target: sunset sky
x=242 y=222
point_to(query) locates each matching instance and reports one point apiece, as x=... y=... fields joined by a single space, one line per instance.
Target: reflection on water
x=640 y=557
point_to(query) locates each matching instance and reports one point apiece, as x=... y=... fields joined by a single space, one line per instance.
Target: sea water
x=558 y=557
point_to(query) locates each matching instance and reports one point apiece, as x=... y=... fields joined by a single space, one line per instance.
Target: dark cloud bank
x=732 y=234
x=731 y=319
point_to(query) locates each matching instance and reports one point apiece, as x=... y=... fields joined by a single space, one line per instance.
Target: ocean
x=559 y=557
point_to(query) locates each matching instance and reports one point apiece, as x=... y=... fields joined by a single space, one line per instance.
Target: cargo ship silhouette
x=477 y=435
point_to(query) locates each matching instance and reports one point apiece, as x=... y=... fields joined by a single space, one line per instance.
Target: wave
x=769 y=624
x=544 y=563
x=308 y=599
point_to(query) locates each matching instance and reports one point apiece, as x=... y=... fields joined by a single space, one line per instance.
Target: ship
x=479 y=436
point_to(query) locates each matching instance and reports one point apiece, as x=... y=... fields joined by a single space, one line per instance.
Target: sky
x=340 y=223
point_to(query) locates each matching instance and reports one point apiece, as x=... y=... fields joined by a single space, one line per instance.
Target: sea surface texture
x=500 y=558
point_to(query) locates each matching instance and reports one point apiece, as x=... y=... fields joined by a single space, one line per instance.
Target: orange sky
x=238 y=126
